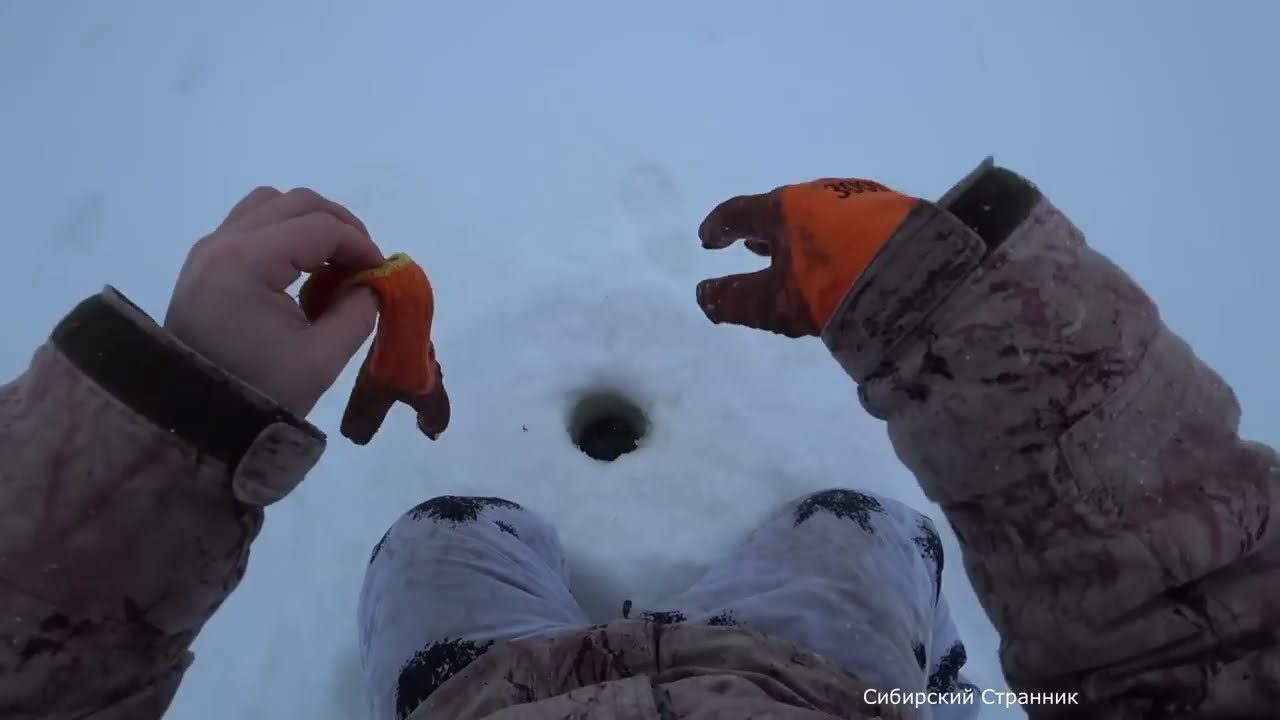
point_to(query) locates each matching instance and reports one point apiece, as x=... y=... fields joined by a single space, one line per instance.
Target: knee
x=894 y=522
x=459 y=509
x=862 y=508
x=470 y=515
x=839 y=510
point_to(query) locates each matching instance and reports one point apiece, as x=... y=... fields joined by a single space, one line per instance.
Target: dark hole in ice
x=606 y=425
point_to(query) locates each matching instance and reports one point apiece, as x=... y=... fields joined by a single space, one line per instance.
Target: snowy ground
x=548 y=164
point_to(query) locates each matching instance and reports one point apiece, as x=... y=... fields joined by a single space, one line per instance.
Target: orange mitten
x=401 y=365
x=821 y=236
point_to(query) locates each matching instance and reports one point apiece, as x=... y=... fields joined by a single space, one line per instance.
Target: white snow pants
x=849 y=575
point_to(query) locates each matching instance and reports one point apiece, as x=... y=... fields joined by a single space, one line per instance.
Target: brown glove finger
x=433 y=408
x=433 y=411
x=754 y=218
x=760 y=247
x=366 y=409
x=762 y=300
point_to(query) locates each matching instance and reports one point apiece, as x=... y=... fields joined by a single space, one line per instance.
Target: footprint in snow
x=652 y=200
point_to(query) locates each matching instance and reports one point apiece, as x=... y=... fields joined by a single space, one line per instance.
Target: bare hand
x=231 y=305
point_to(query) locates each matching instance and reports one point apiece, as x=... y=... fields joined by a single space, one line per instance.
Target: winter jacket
x=1114 y=524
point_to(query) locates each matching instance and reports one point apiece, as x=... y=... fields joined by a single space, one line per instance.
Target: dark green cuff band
x=994 y=204
x=121 y=349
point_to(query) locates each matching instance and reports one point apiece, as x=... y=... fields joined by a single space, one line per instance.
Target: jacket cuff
x=114 y=343
x=930 y=255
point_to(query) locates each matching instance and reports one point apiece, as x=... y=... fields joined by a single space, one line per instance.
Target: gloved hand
x=821 y=235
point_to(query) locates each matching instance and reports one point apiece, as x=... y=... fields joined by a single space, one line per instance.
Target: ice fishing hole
x=606 y=425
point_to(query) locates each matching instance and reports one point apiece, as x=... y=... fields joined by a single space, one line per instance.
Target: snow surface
x=548 y=163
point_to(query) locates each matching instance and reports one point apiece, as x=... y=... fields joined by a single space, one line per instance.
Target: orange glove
x=401 y=365
x=821 y=236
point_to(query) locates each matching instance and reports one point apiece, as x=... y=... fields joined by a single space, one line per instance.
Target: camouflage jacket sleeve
x=1113 y=522
x=132 y=479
